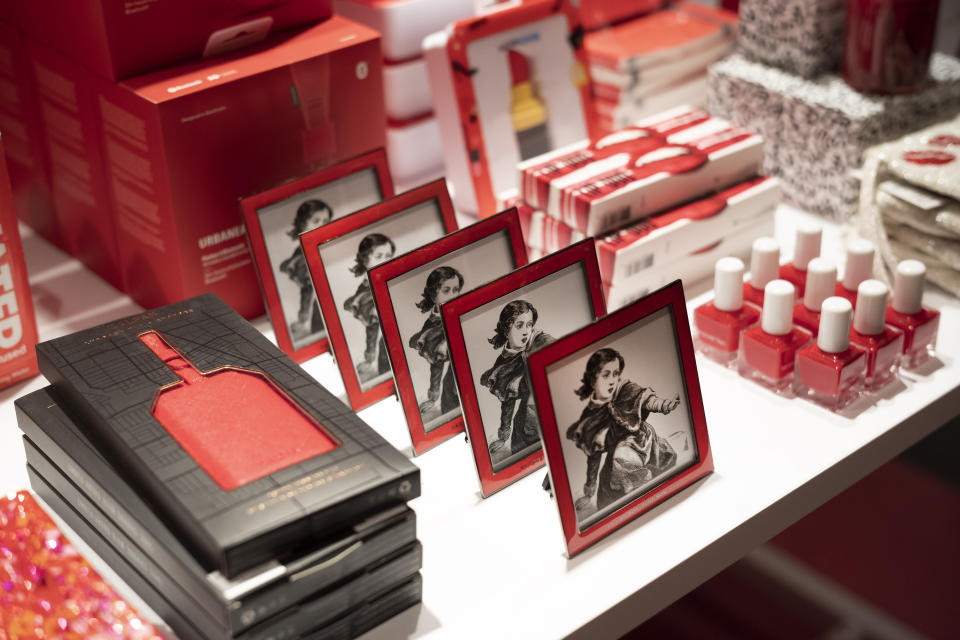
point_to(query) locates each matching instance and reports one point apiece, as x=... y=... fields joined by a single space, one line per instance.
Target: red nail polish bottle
x=764 y=267
x=918 y=323
x=720 y=323
x=882 y=344
x=859 y=267
x=806 y=248
x=830 y=370
x=887 y=44
x=821 y=280
x=768 y=350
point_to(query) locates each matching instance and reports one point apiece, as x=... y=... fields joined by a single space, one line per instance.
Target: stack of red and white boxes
x=151 y=119
x=665 y=199
x=414 y=145
x=645 y=65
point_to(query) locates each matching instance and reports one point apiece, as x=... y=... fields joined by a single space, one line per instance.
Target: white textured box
x=800 y=36
x=406 y=89
x=817 y=130
x=414 y=149
x=695 y=161
x=403 y=24
x=540 y=231
x=695 y=266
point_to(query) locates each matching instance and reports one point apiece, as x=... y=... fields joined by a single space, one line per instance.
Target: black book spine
x=78 y=404
x=183 y=626
x=89 y=471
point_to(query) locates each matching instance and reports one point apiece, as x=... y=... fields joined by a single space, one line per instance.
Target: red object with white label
x=18 y=327
x=669 y=236
x=180 y=147
x=119 y=39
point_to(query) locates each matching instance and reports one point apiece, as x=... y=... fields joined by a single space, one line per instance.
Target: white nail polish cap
x=764 y=262
x=859 y=265
x=908 y=286
x=777 y=316
x=871 y=307
x=834 y=334
x=807 y=245
x=728 y=284
x=820 y=284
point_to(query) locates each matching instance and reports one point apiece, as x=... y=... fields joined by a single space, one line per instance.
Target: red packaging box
x=122 y=38
x=596 y=14
x=181 y=146
x=542 y=178
x=71 y=141
x=697 y=265
x=23 y=139
x=18 y=326
x=694 y=162
x=669 y=236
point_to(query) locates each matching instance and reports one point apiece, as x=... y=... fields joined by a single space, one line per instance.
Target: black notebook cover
x=107 y=379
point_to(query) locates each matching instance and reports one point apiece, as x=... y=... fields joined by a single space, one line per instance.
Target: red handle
x=171 y=357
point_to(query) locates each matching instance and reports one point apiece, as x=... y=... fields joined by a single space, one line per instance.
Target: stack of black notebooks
x=234 y=494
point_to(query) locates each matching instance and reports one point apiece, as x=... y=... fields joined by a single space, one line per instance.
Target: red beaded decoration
x=47 y=589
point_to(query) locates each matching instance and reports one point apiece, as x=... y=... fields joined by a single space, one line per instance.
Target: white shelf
x=496 y=567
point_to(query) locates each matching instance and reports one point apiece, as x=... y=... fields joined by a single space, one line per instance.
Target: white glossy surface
x=496 y=568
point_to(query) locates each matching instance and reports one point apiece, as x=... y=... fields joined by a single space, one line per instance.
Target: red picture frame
x=469 y=315
x=330 y=285
x=252 y=208
x=652 y=314
x=417 y=261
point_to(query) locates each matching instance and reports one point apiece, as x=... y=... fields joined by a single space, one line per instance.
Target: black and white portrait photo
x=623 y=415
x=499 y=337
x=282 y=223
x=349 y=257
x=416 y=298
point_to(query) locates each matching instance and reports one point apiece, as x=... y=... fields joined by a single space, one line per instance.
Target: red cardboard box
x=122 y=38
x=23 y=139
x=181 y=146
x=18 y=327
x=71 y=140
x=596 y=14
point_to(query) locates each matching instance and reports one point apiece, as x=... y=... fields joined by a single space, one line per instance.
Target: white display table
x=496 y=567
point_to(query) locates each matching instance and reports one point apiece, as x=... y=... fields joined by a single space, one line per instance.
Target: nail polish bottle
x=830 y=370
x=859 y=267
x=720 y=323
x=768 y=350
x=821 y=280
x=882 y=344
x=806 y=248
x=764 y=267
x=918 y=323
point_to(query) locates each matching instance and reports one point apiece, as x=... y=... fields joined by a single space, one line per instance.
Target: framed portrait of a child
x=276 y=218
x=491 y=332
x=409 y=292
x=622 y=415
x=339 y=256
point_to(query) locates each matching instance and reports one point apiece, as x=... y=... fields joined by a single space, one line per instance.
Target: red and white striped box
x=668 y=236
x=695 y=161
x=694 y=266
x=543 y=232
x=543 y=177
